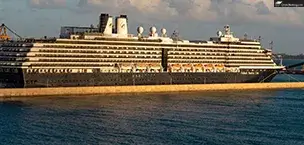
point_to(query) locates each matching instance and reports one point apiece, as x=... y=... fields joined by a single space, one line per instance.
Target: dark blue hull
x=20 y=79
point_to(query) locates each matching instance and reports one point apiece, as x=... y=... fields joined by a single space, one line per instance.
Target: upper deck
x=111 y=33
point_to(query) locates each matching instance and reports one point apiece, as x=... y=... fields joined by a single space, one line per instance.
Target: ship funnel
x=105 y=24
x=122 y=25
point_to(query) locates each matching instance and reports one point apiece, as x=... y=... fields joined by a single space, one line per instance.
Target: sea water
x=248 y=117
x=234 y=117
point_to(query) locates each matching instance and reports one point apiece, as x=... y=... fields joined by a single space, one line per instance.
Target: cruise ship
x=109 y=56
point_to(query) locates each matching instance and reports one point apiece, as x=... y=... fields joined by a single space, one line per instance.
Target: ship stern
x=11 y=78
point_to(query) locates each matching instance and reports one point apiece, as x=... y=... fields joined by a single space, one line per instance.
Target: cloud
x=47 y=3
x=225 y=11
x=144 y=8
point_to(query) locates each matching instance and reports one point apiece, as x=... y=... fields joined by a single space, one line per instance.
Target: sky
x=193 y=19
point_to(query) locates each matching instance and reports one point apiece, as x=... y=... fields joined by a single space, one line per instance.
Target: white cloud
x=47 y=3
x=144 y=8
x=227 y=11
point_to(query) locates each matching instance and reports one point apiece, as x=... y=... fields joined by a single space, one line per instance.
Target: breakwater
x=31 y=92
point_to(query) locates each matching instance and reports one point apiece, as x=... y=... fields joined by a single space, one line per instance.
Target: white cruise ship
x=110 y=56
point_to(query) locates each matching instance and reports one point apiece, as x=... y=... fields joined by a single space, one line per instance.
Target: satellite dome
x=140 y=30
x=163 y=31
x=153 y=30
x=219 y=33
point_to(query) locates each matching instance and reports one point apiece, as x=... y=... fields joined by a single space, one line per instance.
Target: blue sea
x=211 y=118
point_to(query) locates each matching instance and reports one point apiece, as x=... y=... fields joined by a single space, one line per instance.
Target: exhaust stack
x=105 y=24
x=122 y=25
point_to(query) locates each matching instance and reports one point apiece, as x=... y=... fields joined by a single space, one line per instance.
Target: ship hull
x=21 y=79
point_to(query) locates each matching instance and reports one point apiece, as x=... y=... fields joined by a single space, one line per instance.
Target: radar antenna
x=271 y=45
x=245 y=36
x=227 y=30
x=260 y=38
x=92 y=28
x=175 y=36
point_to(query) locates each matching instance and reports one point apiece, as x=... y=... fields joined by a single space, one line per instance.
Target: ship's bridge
x=67 y=31
x=228 y=36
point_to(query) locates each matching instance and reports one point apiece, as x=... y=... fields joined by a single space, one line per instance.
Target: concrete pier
x=75 y=91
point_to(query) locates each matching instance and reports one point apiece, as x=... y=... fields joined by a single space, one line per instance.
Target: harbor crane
x=3 y=33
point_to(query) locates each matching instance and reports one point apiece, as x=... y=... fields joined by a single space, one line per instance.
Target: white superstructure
x=113 y=49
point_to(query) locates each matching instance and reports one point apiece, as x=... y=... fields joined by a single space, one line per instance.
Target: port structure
x=291 y=69
x=3 y=33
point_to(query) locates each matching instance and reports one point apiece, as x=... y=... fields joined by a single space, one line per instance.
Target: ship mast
x=260 y=38
x=271 y=45
x=175 y=36
x=245 y=36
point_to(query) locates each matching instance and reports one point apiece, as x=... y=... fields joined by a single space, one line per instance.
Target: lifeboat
x=129 y=66
x=208 y=66
x=175 y=65
x=141 y=65
x=187 y=66
x=198 y=65
x=219 y=66
x=154 y=65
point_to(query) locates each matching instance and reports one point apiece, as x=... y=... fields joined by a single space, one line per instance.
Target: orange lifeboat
x=219 y=66
x=187 y=65
x=175 y=65
x=154 y=65
x=209 y=65
x=141 y=65
x=198 y=65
